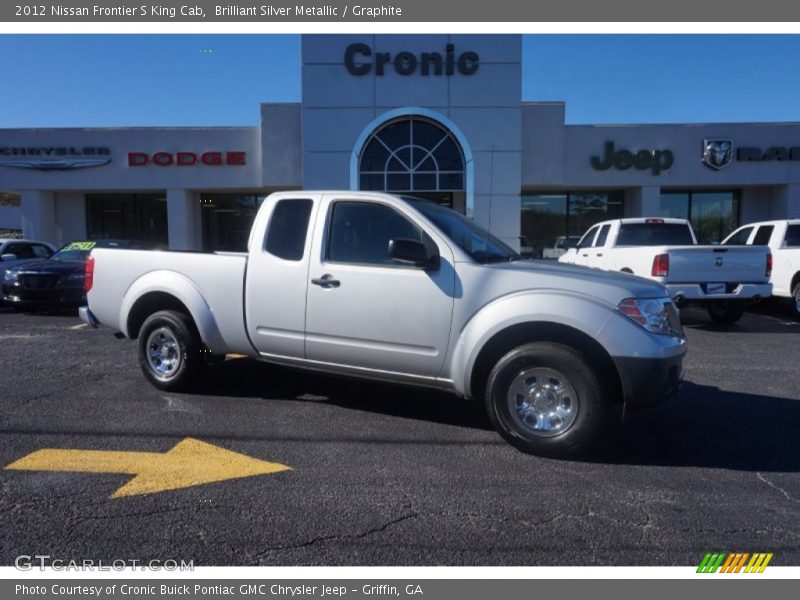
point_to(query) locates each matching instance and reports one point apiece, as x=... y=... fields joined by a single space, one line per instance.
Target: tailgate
x=722 y=264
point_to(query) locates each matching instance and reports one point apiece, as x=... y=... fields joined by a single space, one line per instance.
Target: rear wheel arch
x=795 y=281
x=150 y=303
x=544 y=331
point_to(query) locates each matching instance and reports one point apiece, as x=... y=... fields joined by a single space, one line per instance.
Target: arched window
x=412 y=155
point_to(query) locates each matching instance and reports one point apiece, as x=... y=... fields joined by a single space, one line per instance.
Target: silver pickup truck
x=402 y=290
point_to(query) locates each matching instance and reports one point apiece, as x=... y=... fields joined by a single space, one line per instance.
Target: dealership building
x=436 y=116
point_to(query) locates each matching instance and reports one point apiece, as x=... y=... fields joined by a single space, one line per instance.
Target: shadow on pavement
x=249 y=378
x=708 y=427
x=702 y=427
x=753 y=321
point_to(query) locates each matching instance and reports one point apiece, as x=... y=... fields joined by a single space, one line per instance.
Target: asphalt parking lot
x=391 y=475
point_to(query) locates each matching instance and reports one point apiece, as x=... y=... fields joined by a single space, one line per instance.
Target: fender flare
x=551 y=307
x=183 y=289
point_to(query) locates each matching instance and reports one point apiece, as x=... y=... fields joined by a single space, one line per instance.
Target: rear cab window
x=587 y=238
x=288 y=229
x=793 y=236
x=600 y=241
x=740 y=237
x=763 y=235
x=655 y=234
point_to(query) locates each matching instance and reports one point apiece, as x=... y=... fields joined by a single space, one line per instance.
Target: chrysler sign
x=54 y=158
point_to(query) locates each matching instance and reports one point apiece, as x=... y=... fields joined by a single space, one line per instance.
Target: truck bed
x=120 y=275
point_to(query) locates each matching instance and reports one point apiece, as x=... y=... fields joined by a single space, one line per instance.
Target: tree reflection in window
x=411 y=155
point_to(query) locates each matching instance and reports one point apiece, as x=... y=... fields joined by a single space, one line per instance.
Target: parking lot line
x=79 y=326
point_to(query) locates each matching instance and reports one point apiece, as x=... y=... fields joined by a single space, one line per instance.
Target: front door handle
x=599 y=254
x=326 y=281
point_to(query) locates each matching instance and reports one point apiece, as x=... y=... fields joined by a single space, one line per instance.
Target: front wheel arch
x=540 y=331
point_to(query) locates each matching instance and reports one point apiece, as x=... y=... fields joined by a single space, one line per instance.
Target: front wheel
x=726 y=312
x=544 y=398
x=170 y=351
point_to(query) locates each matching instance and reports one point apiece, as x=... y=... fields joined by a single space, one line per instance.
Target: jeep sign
x=654 y=160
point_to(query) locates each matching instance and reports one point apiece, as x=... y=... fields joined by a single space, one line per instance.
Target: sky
x=219 y=80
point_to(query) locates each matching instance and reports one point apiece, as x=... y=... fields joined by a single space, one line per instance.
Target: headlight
x=10 y=276
x=657 y=315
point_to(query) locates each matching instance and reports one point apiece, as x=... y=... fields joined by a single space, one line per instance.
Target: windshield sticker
x=81 y=246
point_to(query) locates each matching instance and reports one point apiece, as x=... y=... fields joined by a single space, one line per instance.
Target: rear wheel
x=544 y=398
x=796 y=298
x=726 y=312
x=170 y=351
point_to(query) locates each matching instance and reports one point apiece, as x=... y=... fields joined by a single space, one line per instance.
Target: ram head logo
x=717 y=154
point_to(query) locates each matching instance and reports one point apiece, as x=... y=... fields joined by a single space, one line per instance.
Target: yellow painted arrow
x=190 y=462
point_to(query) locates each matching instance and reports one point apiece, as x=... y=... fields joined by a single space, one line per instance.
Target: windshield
x=74 y=251
x=472 y=239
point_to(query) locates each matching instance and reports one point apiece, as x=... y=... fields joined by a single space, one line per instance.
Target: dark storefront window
x=545 y=217
x=135 y=217
x=227 y=219
x=714 y=214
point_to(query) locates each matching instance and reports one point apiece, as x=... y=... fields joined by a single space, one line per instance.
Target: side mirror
x=414 y=252
x=8 y=257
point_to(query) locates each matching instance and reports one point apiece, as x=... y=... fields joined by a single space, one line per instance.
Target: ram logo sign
x=717 y=154
x=734 y=562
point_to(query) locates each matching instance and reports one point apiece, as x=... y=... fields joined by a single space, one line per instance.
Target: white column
x=39 y=216
x=71 y=216
x=181 y=217
x=786 y=202
x=651 y=201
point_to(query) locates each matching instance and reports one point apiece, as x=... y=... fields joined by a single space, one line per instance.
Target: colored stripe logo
x=734 y=562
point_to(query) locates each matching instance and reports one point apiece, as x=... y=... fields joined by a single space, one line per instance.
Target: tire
x=726 y=312
x=796 y=298
x=582 y=402
x=170 y=351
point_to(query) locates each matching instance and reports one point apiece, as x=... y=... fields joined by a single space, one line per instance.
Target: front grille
x=38 y=282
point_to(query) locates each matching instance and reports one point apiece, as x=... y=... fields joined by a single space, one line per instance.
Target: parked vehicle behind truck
x=402 y=290
x=783 y=239
x=724 y=279
x=561 y=245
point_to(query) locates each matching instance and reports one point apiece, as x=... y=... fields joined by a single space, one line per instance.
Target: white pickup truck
x=722 y=278
x=402 y=290
x=783 y=239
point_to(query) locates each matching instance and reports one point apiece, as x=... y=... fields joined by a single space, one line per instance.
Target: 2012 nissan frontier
x=402 y=290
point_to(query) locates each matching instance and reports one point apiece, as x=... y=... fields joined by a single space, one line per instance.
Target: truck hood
x=607 y=286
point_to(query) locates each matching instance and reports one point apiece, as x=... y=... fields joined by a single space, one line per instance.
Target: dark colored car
x=57 y=281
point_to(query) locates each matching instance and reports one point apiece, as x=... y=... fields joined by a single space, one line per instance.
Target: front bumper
x=19 y=296
x=695 y=293
x=648 y=381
